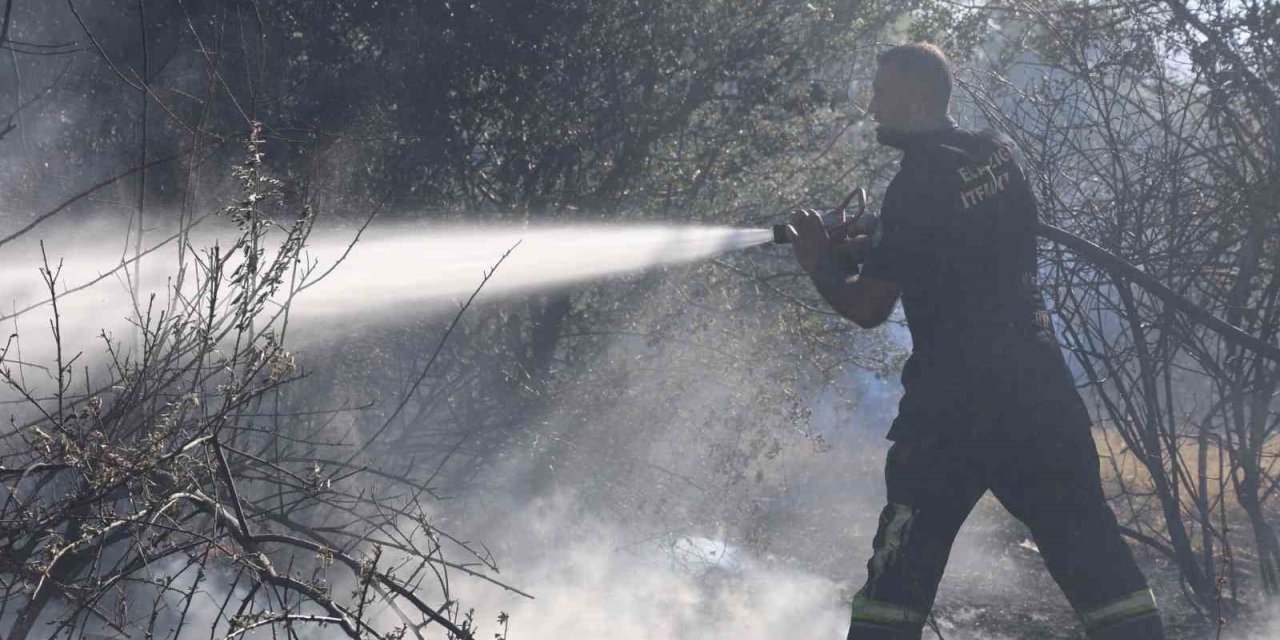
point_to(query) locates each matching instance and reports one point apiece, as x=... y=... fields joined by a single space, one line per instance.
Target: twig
x=123 y=264
x=431 y=361
x=8 y=15
x=285 y=618
x=82 y=195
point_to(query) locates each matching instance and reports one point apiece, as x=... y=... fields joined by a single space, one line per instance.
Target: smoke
x=647 y=531
x=1263 y=626
x=594 y=576
x=592 y=580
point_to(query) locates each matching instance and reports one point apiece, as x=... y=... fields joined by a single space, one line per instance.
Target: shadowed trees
x=144 y=475
x=1151 y=128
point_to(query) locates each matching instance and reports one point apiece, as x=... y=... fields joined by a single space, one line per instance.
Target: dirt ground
x=976 y=601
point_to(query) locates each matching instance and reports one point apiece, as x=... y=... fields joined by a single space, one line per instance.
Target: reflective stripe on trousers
x=878 y=617
x=1135 y=605
x=895 y=535
x=885 y=613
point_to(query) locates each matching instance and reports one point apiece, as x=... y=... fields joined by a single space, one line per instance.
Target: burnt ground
x=997 y=588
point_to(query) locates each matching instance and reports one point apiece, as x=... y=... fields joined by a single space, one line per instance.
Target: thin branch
x=82 y=195
x=435 y=354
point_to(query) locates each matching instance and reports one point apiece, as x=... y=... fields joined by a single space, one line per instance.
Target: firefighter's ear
x=900 y=453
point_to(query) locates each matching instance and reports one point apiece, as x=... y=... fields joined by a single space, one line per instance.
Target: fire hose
x=1115 y=265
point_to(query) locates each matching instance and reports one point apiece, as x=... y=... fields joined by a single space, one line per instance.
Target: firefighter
x=989 y=403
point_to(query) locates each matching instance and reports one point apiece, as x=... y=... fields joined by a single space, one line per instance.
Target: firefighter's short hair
x=925 y=63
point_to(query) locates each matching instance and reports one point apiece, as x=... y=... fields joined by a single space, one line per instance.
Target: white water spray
x=389 y=266
x=412 y=269
x=396 y=266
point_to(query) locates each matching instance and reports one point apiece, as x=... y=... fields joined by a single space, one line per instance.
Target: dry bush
x=182 y=485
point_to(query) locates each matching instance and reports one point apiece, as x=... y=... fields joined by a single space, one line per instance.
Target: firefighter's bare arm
x=866 y=301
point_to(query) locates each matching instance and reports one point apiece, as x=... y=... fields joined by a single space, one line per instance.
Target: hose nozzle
x=831 y=218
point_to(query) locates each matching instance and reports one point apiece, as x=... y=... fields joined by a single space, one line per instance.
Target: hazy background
x=657 y=432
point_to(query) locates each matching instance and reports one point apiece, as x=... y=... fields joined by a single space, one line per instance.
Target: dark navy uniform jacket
x=958 y=237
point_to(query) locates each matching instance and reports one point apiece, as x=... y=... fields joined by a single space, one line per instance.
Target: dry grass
x=1129 y=484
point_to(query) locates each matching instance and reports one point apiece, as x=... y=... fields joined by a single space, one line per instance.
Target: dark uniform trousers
x=1011 y=422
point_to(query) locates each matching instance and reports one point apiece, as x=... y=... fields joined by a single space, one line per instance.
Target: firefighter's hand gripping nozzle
x=833 y=218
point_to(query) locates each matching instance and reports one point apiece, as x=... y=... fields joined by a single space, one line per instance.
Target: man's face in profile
x=897 y=101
